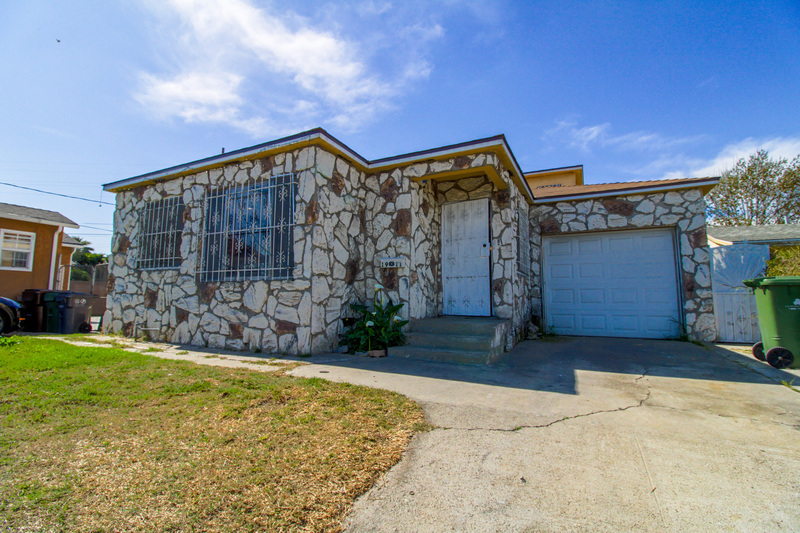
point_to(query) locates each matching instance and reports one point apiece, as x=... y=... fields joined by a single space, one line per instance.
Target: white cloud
x=586 y=138
x=787 y=147
x=270 y=74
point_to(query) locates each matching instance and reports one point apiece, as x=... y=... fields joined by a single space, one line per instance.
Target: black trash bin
x=68 y=312
x=33 y=309
x=77 y=313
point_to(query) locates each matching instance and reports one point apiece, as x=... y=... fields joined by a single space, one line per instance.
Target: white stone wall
x=419 y=285
x=297 y=316
x=684 y=210
x=345 y=222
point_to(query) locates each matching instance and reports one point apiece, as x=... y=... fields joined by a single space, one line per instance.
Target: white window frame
x=29 y=267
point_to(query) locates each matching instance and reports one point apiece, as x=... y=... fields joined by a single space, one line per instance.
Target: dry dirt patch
x=101 y=439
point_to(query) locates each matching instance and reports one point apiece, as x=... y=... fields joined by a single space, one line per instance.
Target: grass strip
x=101 y=439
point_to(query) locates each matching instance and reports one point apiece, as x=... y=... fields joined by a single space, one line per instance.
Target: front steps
x=469 y=340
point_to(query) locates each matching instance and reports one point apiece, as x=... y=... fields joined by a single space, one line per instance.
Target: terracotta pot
x=376 y=353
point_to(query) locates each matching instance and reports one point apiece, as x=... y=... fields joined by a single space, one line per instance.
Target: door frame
x=489 y=258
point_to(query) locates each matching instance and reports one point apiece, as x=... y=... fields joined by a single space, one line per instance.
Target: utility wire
x=96 y=228
x=55 y=193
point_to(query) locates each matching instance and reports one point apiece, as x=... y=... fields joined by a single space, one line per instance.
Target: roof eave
x=37 y=220
x=496 y=144
x=704 y=185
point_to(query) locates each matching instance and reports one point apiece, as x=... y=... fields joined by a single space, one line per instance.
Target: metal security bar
x=247 y=232
x=161 y=226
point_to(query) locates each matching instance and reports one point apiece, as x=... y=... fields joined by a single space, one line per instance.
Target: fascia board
x=624 y=192
x=35 y=220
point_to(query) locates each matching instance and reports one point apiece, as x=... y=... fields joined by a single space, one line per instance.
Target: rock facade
x=345 y=221
x=404 y=220
x=683 y=210
x=296 y=316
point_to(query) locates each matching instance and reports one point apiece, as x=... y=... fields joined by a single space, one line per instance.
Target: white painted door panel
x=465 y=258
x=620 y=284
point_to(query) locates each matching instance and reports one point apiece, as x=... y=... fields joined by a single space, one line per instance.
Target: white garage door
x=616 y=284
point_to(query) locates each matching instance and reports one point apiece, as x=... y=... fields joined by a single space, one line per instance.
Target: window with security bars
x=523 y=241
x=160 y=229
x=248 y=231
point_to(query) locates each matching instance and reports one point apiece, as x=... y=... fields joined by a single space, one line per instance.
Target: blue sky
x=631 y=90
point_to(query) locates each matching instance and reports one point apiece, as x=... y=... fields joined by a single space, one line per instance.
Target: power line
x=99 y=229
x=55 y=193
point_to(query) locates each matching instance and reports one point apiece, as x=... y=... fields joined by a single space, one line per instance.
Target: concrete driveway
x=577 y=434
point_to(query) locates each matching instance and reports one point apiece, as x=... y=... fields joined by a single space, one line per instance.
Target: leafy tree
x=757 y=190
x=86 y=254
x=785 y=261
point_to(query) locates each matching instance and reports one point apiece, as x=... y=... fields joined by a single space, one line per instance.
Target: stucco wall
x=683 y=210
x=14 y=282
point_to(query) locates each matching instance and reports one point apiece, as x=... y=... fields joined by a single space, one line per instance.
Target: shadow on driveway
x=551 y=364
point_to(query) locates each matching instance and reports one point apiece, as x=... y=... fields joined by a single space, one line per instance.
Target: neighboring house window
x=160 y=229
x=16 y=250
x=523 y=241
x=248 y=231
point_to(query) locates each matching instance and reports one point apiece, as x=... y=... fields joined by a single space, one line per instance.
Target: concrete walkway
x=571 y=434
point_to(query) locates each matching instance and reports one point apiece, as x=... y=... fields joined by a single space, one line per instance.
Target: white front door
x=616 y=284
x=466 y=256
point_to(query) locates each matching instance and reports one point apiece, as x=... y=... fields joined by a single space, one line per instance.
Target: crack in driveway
x=640 y=403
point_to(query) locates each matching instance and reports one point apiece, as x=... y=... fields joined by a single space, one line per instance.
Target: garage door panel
x=591 y=270
x=561 y=272
x=621 y=244
x=593 y=323
x=621 y=284
x=590 y=246
x=560 y=248
x=592 y=296
x=659 y=325
x=625 y=325
x=564 y=322
x=562 y=296
x=624 y=271
x=624 y=296
x=656 y=242
x=659 y=296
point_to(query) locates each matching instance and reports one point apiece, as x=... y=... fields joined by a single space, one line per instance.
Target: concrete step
x=468 y=340
x=428 y=353
x=451 y=341
x=457 y=325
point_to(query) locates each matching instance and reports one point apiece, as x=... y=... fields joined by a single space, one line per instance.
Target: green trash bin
x=778 y=304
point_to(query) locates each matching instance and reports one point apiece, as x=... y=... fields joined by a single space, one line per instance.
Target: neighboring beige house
x=265 y=247
x=32 y=247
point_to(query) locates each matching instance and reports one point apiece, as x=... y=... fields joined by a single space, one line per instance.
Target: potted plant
x=378 y=328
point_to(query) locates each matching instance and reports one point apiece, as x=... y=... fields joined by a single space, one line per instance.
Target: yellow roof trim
x=486 y=170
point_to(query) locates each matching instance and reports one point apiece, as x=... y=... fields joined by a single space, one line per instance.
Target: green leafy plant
x=9 y=341
x=378 y=328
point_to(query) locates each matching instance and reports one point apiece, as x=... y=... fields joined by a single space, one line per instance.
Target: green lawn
x=99 y=439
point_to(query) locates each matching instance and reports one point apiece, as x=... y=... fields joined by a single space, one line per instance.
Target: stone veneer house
x=264 y=248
